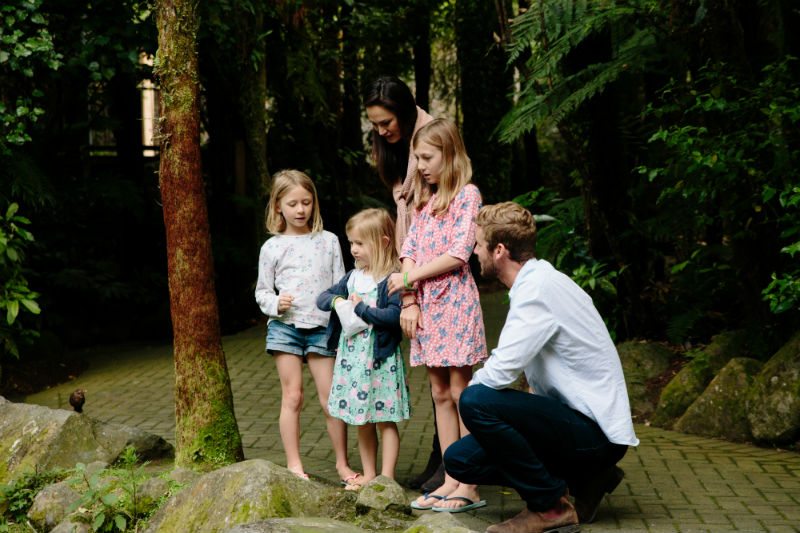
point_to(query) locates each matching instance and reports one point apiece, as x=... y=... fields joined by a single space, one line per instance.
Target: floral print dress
x=452 y=332
x=364 y=390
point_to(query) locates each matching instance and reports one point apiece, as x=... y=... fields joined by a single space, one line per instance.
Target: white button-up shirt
x=554 y=334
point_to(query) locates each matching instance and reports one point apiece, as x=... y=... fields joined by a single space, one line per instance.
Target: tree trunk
x=485 y=83
x=206 y=433
x=422 y=54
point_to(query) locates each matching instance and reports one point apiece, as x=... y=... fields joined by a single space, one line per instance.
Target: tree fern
x=549 y=32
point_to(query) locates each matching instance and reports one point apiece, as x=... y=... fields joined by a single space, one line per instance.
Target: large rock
x=682 y=390
x=729 y=344
x=690 y=382
x=246 y=492
x=642 y=362
x=382 y=494
x=297 y=525
x=51 y=505
x=773 y=402
x=438 y=523
x=720 y=410
x=68 y=526
x=35 y=437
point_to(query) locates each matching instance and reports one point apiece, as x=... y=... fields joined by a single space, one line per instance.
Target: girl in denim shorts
x=296 y=264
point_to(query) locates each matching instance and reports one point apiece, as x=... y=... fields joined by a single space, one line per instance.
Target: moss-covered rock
x=382 y=494
x=438 y=523
x=297 y=525
x=773 y=402
x=720 y=410
x=641 y=362
x=68 y=526
x=241 y=493
x=51 y=505
x=690 y=382
x=727 y=345
x=682 y=390
x=36 y=437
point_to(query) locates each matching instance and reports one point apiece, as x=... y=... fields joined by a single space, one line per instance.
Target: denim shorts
x=286 y=338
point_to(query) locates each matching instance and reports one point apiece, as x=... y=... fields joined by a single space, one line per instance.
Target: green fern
x=549 y=31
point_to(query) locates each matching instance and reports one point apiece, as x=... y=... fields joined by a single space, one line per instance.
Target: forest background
x=657 y=140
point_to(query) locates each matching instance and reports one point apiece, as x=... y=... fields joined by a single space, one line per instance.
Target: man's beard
x=488 y=269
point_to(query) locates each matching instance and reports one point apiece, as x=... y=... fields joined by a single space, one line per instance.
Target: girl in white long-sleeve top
x=296 y=264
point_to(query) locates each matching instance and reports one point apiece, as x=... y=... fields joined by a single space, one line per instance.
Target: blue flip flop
x=470 y=505
x=418 y=507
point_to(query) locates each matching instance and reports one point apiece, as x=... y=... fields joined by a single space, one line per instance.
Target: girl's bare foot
x=298 y=472
x=356 y=484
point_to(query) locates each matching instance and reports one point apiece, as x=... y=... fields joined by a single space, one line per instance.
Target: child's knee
x=292 y=399
x=441 y=394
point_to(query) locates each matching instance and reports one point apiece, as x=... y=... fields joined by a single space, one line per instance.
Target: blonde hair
x=510 y=224
x=456 y=172
x=372 y=225
x=282 y=182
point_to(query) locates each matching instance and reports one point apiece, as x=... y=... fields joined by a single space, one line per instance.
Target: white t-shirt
x=300 y=265
x=555 y=335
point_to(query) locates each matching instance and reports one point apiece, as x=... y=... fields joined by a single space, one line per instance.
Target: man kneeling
x=568 y=435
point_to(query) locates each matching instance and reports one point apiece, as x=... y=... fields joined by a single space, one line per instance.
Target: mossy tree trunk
x=206 y=433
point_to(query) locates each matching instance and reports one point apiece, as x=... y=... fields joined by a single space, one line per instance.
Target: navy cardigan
x=385 y=317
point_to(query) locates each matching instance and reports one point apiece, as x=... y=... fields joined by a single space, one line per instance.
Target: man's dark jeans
x=531 y=443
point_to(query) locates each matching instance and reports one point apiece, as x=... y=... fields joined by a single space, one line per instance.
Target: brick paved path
x=674 y=482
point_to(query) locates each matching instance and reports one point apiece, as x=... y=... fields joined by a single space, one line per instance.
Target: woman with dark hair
x=395 y=118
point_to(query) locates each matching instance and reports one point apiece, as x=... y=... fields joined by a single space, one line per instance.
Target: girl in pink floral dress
x=441 y=311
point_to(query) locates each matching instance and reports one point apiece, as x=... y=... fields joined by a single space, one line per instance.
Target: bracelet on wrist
x=406 y=284
x=409 y=304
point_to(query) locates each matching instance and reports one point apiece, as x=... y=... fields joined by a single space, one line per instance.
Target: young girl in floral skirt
x=369 y=387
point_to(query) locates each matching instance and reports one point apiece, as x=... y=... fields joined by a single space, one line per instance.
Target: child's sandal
x=351 y=482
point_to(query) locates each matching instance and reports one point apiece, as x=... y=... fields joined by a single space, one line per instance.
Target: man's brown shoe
x=560 y=519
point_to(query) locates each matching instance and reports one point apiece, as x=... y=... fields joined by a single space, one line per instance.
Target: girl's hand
x=395 y=282
x=410 y=319
x=355 y=298
x=284 y=302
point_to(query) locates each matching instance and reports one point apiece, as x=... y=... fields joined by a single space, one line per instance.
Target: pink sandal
x=349 y=482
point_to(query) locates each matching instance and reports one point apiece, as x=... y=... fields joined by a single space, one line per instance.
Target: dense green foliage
x=660 y=138
x=17 y=497
x=681 y=129
x=728 y=154
x=27 y=50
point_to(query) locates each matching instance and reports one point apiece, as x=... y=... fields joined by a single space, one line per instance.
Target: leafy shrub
x=15 y=295
x=725 y=160
x=17 y=497
x=110 y=499
x=561 y=240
